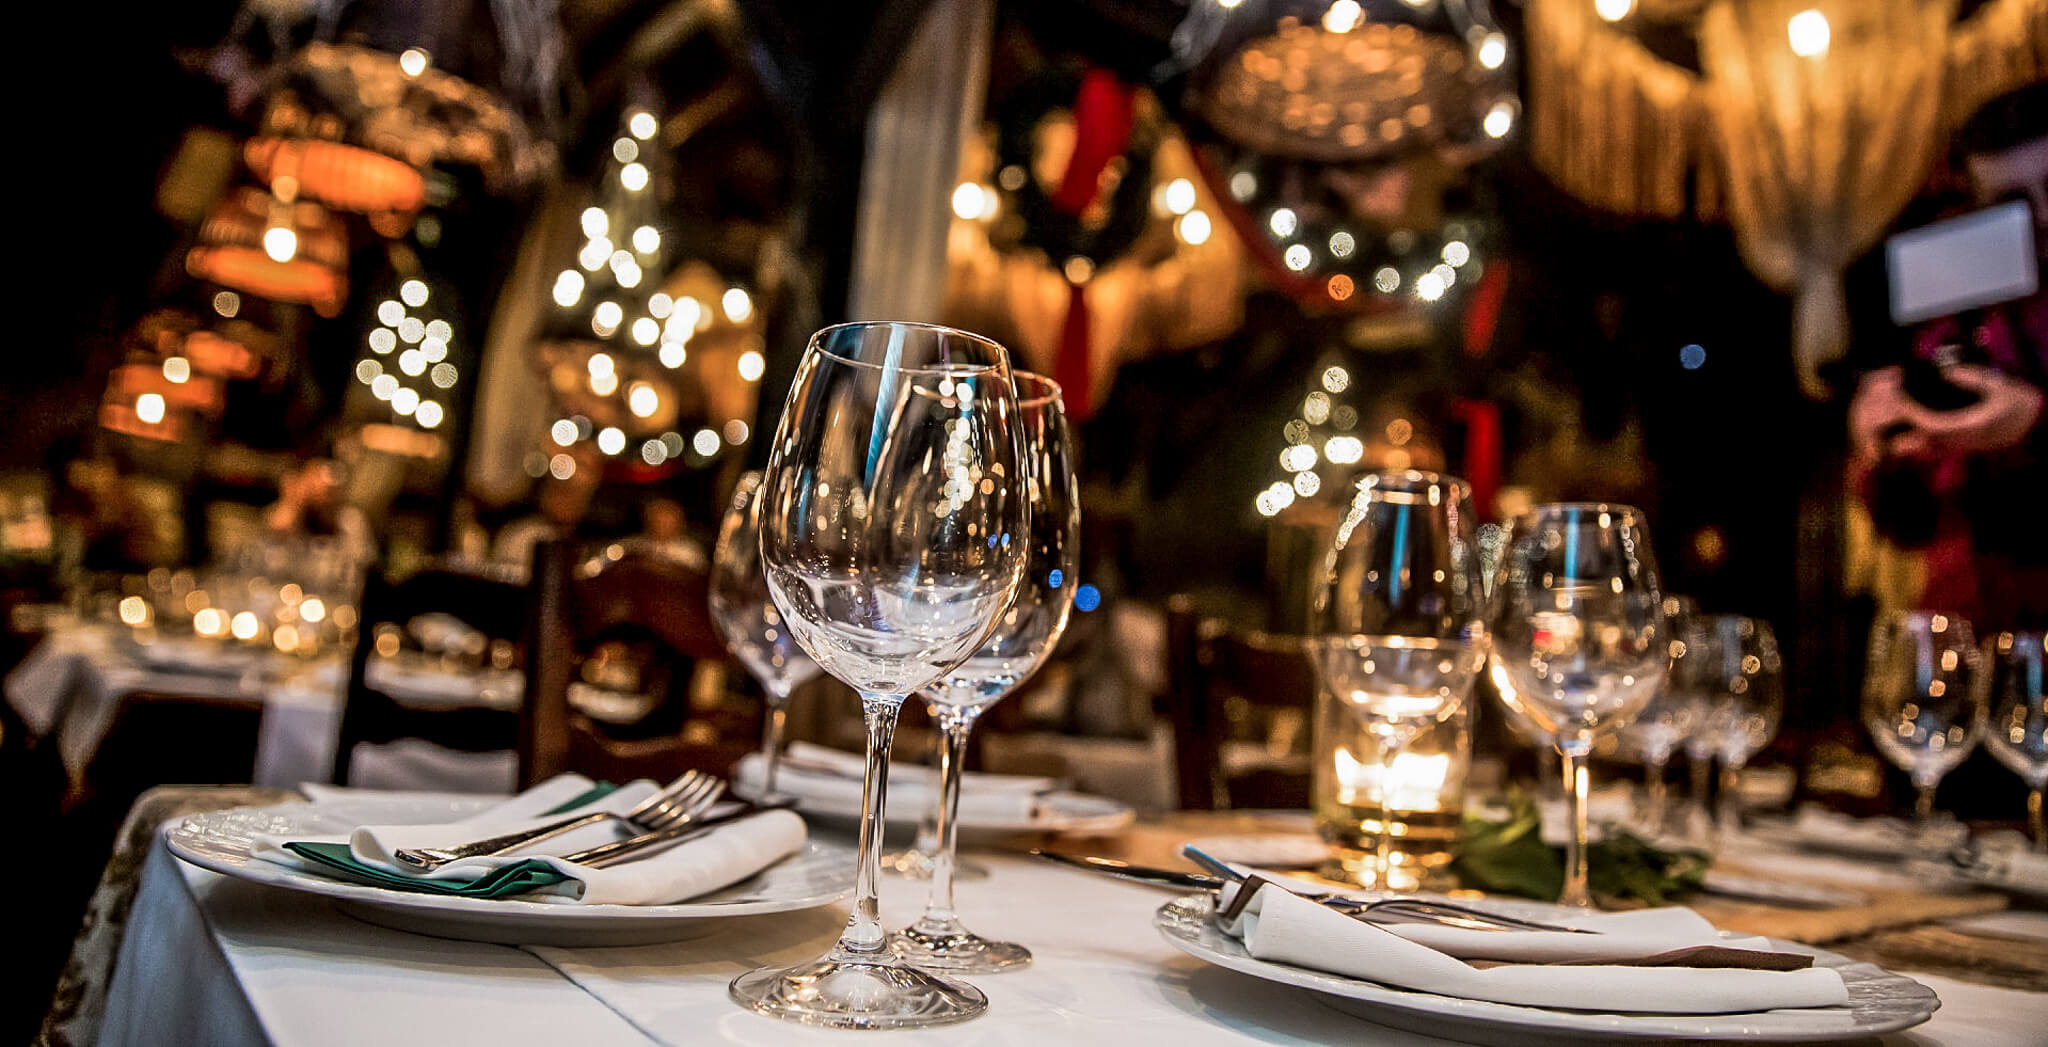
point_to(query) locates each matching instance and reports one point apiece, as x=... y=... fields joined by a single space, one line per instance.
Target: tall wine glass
x=1029 y=631
x=894 y=522
x=1670 y=718
x=1400 y=616
x=748 y=621
x=1742 y=682
x=2017 y=733
x=1582 y=634
x=1922 y=700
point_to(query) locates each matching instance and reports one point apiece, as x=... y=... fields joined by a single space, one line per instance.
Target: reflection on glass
x=1670 y=718
x=2017 y=733
x=1735 y=662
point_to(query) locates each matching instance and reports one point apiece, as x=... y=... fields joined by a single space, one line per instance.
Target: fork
x=677 y=803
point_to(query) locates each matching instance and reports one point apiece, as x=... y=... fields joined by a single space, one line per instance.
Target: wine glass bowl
x=1400 y=616
x=747 y=620
x=1923 y=697
x=2017 y=731
x=1672 y=716
x=1581 y=633
x=892 y=538
x=1742 y=690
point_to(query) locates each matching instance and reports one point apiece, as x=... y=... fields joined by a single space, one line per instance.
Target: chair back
x=633 y=594
x=495 y=606
x=1241 y=702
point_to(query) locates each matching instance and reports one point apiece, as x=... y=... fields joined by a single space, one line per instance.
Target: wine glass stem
x=1728 y=811
x=771 y=738
x=863 y=939
x=1653 y=771
x=1923 y=807
x=1701 y=766
x=2036 y=827
x=955 y=725
x=1383 y=854
x=1572 y=753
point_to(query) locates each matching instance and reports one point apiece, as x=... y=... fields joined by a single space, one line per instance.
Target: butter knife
x=1146 y=874
x=633 y=846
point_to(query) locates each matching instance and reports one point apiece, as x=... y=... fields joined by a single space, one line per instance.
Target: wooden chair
x=1241 y=703
x=630 y=594
x=496 y=606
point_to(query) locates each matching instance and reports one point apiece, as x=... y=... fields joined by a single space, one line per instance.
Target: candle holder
x=1425 y=801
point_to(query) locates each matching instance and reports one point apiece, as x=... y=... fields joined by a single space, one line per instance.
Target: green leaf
x=1510 y=857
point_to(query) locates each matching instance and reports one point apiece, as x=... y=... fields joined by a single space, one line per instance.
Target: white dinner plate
x=820 y=874
x=1879 y=1001
x=197 y=657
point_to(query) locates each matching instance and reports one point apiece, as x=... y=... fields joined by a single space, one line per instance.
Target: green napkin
x=504 y=881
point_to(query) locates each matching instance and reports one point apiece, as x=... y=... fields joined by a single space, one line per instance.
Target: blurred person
x=1951 y=478
x=563 y=503
x=665 y=527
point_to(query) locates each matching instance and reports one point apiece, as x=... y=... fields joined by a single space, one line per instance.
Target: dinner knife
x=632 y=846
x=1140 y=873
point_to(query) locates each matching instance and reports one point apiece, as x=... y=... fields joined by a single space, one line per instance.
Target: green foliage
x=1510 y=857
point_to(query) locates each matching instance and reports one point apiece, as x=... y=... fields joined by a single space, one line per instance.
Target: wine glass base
x=882 y=993
x=960 y=951
x=914 y=864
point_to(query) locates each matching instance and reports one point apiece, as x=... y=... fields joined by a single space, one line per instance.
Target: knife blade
x=617 y=850
x=1146 y=874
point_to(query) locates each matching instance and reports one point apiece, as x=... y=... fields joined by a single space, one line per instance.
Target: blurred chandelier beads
x=1322 y=123
x=405 y=356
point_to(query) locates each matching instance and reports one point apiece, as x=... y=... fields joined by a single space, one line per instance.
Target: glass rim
x=821 y=335
x=1614 y=508
x=1050 y=393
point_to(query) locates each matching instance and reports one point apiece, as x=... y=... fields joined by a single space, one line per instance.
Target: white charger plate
x=222 y=841
x=1879 y=1001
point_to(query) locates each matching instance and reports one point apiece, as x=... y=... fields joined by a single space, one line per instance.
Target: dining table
x=73 y=687
x=209 y=958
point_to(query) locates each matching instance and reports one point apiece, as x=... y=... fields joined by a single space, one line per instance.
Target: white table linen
x=303 y=974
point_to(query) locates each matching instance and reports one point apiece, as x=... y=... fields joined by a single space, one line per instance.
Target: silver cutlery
x=633 y=846
x=679 y=803
x=1423 y=909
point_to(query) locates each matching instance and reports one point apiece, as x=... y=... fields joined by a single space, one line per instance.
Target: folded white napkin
x=721 y=857
x=831 y=779
x=1822 y=827
x=1282 y=927
x=2017 y=866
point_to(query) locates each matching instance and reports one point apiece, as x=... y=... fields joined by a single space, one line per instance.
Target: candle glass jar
x=1425 y=798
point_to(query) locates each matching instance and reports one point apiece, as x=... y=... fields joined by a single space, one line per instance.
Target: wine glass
x=1581 y=631
x=1671 y=717
x=2017 y=733
x=894 y=520
x=1029 y=631
x=1400 y=616
x=1922 y=700
x=752 y=628
x=1742 y=681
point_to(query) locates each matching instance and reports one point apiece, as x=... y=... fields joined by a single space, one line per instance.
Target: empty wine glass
x=1582 y=634
x=1742 y=683
x=894 y=521
x=1029 y=631
x=1922 y=700
x=2017 y=732
x=1400 y=617
x=1670 y=718
x=752 y=628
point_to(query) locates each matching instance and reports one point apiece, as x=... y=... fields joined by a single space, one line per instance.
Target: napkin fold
x=1822 y=827
x=831 y=778
x=1620 y=969
x=721 y=857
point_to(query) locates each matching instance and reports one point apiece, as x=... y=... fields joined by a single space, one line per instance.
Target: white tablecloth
x=219 y=961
